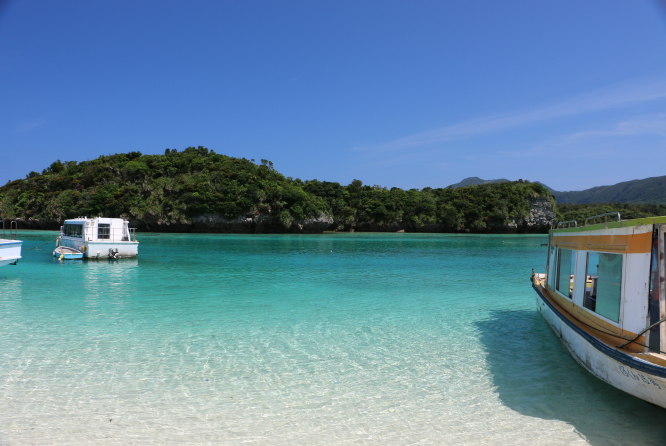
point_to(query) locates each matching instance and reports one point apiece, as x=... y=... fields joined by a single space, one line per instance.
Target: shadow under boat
x=535 y=376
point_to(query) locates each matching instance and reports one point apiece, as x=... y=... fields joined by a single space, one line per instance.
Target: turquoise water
x=377 y=339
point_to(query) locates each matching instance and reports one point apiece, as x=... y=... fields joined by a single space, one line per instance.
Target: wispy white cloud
x=644 y=125
x=603 y=99
x=654 y=124
x=29 y=125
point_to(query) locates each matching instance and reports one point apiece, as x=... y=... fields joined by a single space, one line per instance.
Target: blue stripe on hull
x=624 y=358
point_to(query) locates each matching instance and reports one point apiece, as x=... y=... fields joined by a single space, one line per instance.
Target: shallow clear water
x=379 y=339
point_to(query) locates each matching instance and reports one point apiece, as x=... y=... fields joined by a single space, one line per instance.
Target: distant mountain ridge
x=475 y=181
x=646 y=191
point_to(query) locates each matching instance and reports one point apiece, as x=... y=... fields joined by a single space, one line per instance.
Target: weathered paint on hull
x=634 y=376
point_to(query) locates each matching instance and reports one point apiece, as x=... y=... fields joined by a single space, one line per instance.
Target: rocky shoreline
x=540 y=219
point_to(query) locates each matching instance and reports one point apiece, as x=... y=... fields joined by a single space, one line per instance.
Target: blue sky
x=405 y=94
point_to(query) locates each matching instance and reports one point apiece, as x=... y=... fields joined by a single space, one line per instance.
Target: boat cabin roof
x=612 y=225
x=82 y=220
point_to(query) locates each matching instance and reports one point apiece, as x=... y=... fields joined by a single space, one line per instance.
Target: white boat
x=604 y=296
x=99 y=238
x=10 y=248
x=66 y=253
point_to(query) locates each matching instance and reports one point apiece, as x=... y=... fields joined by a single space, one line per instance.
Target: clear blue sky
x=407 y=94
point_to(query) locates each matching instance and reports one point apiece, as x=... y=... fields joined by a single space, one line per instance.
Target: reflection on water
x=535 y=376
x=104 y=285
x=109 y=277
x=11 y=289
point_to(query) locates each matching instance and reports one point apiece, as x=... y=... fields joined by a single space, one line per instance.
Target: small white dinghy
x=66 y=253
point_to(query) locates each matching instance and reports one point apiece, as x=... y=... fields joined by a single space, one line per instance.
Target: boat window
x=603 y=286
x=566 y=264
x=103 y=230
x=70 y=230
x=609 y=284
x=590 y=300
x=553 y=267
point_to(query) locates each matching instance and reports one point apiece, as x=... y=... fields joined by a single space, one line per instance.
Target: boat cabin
x=98 y=229
x=607 y=276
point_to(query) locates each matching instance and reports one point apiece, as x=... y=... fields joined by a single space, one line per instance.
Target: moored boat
x=604 y=296
x=10 y=248
x=66 y=253
x=99 y=238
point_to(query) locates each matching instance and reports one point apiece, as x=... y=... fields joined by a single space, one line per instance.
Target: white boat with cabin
x=604 y=296
x=99 y=238
x=10 y=248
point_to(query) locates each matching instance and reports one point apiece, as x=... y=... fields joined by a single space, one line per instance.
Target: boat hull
x=9 y=261
x=10 y=251
x=102 y=250
x=65 y=254
x=639 y=378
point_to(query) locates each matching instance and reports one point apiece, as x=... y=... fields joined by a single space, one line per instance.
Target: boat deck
x=654 y=358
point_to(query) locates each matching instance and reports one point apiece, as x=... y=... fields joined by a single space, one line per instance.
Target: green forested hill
x=474 y=208
x=157 y=188
x=173 y=191
x=648 y=191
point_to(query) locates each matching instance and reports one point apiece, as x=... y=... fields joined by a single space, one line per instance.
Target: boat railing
x=113 y=235
x=13 y=230
x=594 y=217
x=560 y=224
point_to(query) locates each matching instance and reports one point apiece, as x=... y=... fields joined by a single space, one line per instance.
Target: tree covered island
x=198 y=190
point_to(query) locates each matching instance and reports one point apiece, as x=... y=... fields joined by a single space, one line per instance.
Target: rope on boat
x=639 y=334
x=620 y=337
x=50 y=241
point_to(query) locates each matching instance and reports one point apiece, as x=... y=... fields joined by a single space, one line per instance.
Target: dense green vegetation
x=646 y=191
x=162 y=188
x=177 y=186
x=476 y=208
x=579 y=212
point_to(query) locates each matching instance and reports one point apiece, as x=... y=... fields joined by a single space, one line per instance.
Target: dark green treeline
x=177 y=186
x=579 y=212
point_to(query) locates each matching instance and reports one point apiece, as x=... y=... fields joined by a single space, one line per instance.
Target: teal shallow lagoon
x=279 y=339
